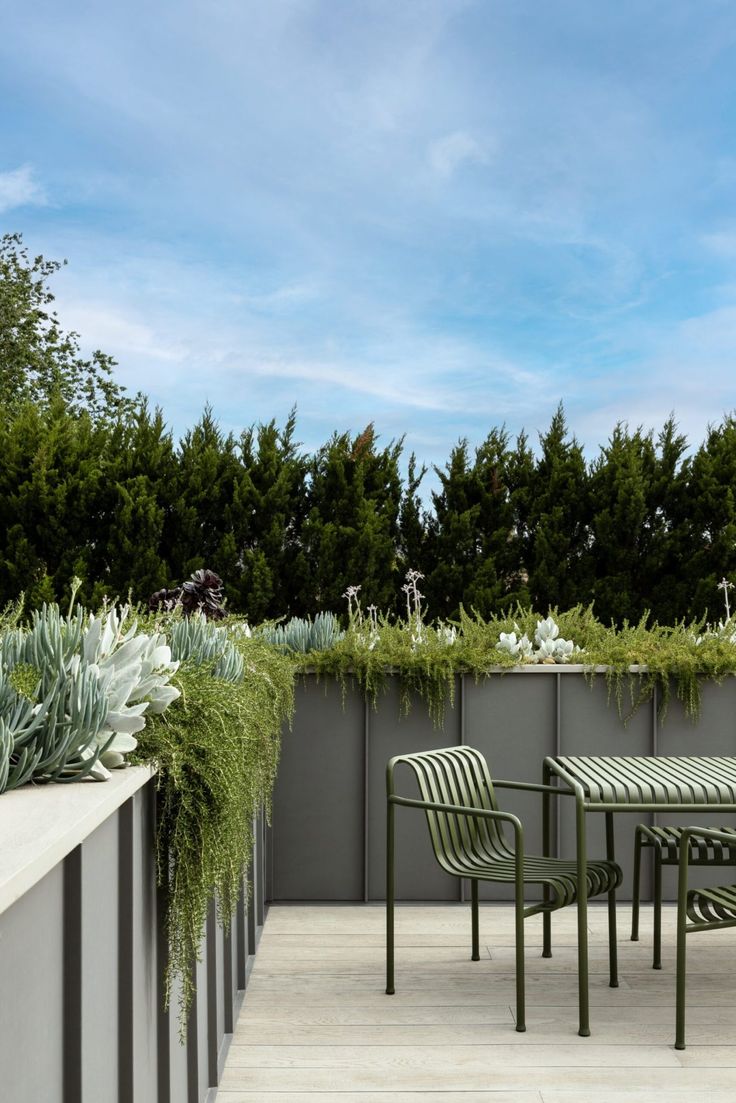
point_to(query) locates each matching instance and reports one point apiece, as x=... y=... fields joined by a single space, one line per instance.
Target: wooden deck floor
x=316 y=1026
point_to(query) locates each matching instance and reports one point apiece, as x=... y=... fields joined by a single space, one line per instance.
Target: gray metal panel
x=31 y=994
x=215 y=989
x=590 y=725
x=240 y=933
x=127 y=891
x=259 y=860
x=318 y=798
x=418 y=876
x=257 y=902
x=715 y=731
x=145 y=963
x=178 y=1053
x=203 y=1022
x=230 y=970
x=511 y=718
x=72 y=975
x=100 y=932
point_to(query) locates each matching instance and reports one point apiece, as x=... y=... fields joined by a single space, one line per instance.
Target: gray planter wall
x=82 y=956
x=327 y=841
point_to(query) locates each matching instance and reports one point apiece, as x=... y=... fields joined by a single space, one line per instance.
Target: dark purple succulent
x=164 y=600
x=201 y=594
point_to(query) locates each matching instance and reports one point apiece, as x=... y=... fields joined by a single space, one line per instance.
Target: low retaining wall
x=82 y=953
x=329 y=815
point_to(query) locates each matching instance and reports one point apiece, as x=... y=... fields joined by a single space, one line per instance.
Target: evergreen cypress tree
x=200 y=530
x=413 y=546
x=270 y=507
x=666 y=580
x=621 y=526
x=452 y=537
x=474 y=538
x=706 y=529
x=140 y=470
x=558 y=522
x=50 y=501
x=351 y=530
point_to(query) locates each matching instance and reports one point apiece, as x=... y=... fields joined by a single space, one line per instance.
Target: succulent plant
x=303 y=635
x=134 y=670
x=551 y=648
x=202 y=593
x=194 y=639
x=74 y=691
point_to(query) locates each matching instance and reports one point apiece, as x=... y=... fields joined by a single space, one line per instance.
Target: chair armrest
x=533 y=786
x=717 y=833
x=457 y=809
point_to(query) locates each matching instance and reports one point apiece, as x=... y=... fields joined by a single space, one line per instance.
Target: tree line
x=93 y=484
x=121 y=504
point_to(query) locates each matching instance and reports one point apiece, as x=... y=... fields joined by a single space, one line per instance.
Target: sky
x=439 y=216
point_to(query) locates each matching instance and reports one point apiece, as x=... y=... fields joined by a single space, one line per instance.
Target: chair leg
x=390 y=990
x=636 y=887
x=546 y=849
x=520 y=987
x=612 y=947
x=474 y=920
x=657 y=954
x=546 y=929
x=582 y=888
x=681 y=960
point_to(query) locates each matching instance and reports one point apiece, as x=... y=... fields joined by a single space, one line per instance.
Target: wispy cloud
x=449 y=153
x=19 y=188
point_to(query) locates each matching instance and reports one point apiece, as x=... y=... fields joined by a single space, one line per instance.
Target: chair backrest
x=460 y=776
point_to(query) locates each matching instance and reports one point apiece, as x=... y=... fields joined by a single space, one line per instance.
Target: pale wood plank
x=647 y=1096
x=317 y=1025
x=637 y=1031
x=386 y=1097
x=504 y=1078
x=470 y=1058
x=391 y=1011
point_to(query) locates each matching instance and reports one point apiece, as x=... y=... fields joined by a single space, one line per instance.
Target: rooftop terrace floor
x=316 y=1026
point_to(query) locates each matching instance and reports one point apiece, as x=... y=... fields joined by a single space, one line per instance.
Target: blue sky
x=436 y=215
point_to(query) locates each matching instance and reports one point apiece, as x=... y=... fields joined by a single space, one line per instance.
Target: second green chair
x=665 y=843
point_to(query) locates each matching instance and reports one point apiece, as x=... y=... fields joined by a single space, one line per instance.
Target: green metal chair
x=666 y=844
x=466 y=830
x=706 y=909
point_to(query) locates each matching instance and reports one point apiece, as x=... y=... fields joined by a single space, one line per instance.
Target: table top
x=648 y=781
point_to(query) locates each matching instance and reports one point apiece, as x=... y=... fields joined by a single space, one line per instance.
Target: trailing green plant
x=216 y=749
x=636 y=660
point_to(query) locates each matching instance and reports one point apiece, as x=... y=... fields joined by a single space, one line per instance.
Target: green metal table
x=610 y=784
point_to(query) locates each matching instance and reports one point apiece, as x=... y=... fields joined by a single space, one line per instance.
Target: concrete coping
x=41 y=824
x=524 y=668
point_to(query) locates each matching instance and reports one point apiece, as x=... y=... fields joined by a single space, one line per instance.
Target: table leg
x=612 y=947
x=582 y=868
x=657 y=947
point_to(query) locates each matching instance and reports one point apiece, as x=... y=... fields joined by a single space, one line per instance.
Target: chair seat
x=712 y=905
x=704 y=851
x=559 y=874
